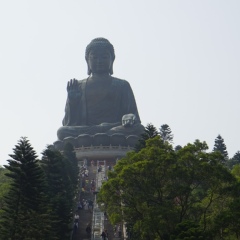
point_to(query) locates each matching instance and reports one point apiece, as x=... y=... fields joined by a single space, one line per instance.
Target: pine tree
x=70 y=155
x=60 y=191
x=234 y=160
x=166 y=133
x=149 y=132
x=220 y=146
x=25 y=201
x=177 y=148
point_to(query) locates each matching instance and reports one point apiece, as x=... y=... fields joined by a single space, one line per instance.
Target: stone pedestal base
x=100 y=146
x=102 y=152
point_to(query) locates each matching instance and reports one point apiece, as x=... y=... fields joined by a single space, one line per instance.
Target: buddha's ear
x=89 y=71
x=111 y=69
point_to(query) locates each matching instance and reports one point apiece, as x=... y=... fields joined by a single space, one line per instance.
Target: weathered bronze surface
x=100 y=103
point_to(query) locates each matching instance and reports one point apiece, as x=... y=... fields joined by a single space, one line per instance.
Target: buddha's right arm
x=72 y=104
x=73 y=96
x=73 y=90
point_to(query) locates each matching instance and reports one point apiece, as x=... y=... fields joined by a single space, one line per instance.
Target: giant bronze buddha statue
x=100 y=103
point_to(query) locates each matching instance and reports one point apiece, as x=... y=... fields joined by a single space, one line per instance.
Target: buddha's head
x=100 y=56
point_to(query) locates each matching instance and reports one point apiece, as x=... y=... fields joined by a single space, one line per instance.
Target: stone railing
x=104 y=148
x=98 y=215
x=102 y=152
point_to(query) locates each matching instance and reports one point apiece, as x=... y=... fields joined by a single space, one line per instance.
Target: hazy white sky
x=182 y=59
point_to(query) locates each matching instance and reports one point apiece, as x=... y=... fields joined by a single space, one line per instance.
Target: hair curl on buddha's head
x=100 y=43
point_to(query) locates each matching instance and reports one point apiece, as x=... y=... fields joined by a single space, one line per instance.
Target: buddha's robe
x=100 y=112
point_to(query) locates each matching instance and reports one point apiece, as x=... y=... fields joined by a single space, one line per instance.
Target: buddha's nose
x=99 y=60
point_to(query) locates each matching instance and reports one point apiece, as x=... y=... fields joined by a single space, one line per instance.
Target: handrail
x=98 y=215
x=104 y=147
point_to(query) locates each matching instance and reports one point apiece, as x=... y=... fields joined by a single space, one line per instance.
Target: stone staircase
x=86 y=216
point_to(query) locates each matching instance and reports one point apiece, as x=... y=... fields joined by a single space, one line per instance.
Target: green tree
x=70 y=156
x=157 y=188
x=188 y=230
x=228 y=221
x=149 y=132
x=4 y=187
x=166 y=133
x=178 y=147
x=236 y=171
x=60 y=191
x=220 y=146
x=25 y=200
x=234 y=160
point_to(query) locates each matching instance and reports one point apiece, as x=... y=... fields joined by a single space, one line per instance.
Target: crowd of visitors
x=85 y=202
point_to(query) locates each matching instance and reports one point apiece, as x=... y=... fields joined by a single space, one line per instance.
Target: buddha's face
x=100 y=60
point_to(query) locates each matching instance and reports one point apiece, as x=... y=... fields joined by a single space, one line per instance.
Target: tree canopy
x=158 y=191
x=26 y=199
x=149 y=132
x=39 y=200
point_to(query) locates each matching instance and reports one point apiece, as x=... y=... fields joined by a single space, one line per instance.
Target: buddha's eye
x=93 y=56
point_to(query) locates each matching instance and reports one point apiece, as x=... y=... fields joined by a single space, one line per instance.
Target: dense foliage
x=40 y=199
x=149 y=132
x=158 y=192
x=235 y=160
x=4 y=187
x=26 y=199
x=165 y=194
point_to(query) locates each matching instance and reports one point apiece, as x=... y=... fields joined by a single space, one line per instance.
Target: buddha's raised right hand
x=73 y=89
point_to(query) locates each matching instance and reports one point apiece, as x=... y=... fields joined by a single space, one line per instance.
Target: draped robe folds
x=101 y=114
